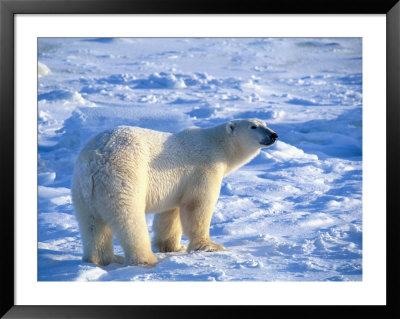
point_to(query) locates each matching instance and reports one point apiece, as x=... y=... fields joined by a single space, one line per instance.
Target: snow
x=43 y=69
x=294 y=213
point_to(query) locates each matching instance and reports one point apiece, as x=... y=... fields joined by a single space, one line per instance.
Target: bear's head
x=251 y=133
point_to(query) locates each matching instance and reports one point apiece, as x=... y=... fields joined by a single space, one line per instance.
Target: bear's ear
x=231 y=128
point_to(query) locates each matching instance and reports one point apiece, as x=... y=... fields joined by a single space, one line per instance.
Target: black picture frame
x=8 y=10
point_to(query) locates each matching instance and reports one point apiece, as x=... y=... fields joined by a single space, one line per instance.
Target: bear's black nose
x=273 y=136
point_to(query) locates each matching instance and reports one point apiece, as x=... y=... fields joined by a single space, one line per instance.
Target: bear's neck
x=235 y=155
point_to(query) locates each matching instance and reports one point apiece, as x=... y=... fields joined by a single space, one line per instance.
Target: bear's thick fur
x=123 y=173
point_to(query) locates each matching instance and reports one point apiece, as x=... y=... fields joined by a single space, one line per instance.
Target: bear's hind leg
x=96 y=235
x=167 y=231
x=130 y=228
x=97 y=239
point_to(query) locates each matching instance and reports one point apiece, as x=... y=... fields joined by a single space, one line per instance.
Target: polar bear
x=123 y=173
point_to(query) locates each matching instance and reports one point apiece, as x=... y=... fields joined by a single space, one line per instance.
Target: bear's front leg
x=167 y=231
x=196 y=213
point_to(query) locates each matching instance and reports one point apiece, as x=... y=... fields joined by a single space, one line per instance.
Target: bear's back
x=124 y=139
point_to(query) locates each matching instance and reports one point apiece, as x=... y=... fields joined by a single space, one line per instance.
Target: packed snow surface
x=294 y=213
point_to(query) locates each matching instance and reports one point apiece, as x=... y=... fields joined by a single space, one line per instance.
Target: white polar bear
x=123 y=173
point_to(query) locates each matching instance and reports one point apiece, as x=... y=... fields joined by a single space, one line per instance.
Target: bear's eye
x=253 y=127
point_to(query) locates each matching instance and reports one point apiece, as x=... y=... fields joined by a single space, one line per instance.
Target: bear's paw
x=205 y=245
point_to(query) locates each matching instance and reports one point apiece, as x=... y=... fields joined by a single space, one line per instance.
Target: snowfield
x=294 y=213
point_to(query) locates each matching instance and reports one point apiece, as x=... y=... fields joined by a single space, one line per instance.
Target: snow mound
x=67 y=97
x=161 y=81
x=283 y=152
x=43 y=69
